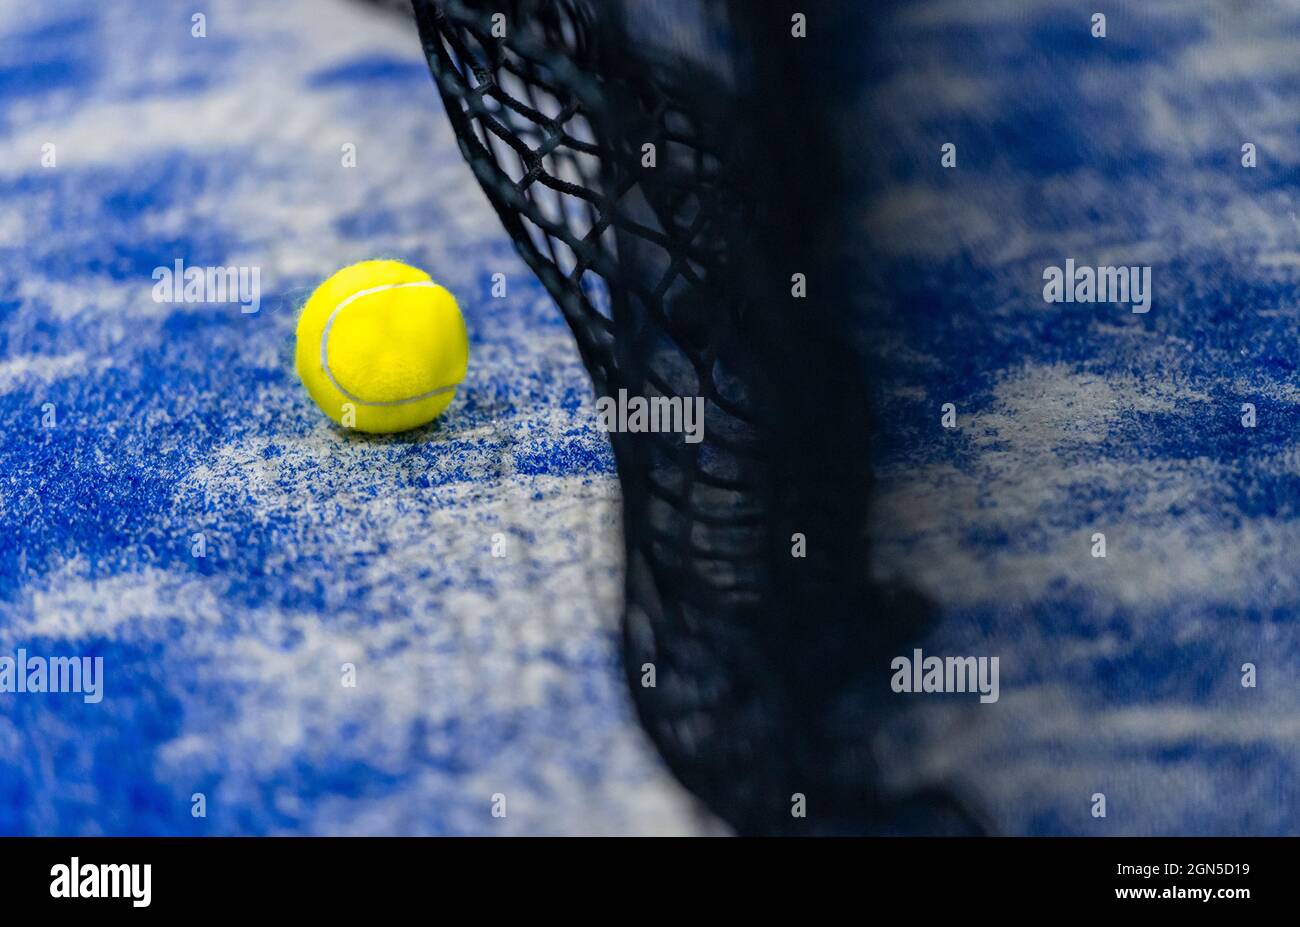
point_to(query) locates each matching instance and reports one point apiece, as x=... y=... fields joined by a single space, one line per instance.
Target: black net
x=677 y=198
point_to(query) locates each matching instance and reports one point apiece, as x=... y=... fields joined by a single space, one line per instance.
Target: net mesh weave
x=677 y=277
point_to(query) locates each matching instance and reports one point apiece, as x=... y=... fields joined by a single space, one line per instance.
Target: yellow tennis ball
x=381 y=347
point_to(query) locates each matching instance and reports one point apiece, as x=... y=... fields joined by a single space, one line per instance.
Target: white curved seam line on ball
x=325 y=337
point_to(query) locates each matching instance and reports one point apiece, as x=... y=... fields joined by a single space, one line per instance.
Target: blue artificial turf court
x=134 y=430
